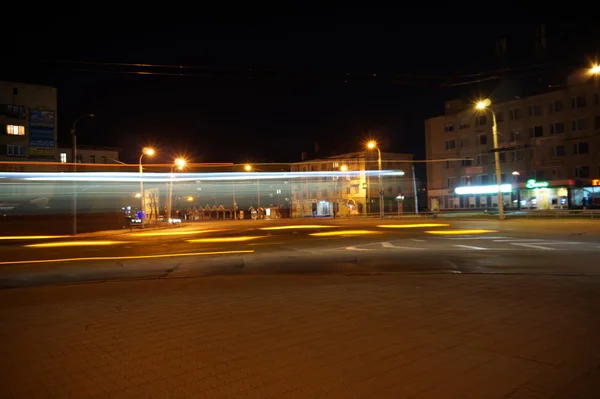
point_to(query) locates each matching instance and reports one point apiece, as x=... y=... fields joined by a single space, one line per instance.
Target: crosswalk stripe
x=534 y=246
x=470 y=247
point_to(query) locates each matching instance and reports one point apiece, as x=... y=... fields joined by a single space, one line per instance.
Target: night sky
x=267 y=90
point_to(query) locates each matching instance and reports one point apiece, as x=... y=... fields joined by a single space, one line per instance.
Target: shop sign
x=532 y=183
x=474 y=190
x=596 y=182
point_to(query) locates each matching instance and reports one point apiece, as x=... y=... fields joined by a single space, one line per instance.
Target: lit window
x=63 y=157
x=15 y=130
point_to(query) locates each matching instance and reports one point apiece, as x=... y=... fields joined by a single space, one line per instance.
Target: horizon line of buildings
x=548 y=147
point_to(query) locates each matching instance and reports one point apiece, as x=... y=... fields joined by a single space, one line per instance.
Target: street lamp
x=343 y=168
x=485 y=105
x=372 y=145
x=248 y=168
x=74 y=154
x=179 y=163
x=595 y=69
x=150 y=152
x=400 y=199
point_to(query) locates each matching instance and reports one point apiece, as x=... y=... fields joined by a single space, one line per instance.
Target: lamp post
x=150 y=152
x=400 y=199
x=74 y=155
x=483 y=106
x=179 y=163
x=343 y=168
x=248 y=168
x=372 y=145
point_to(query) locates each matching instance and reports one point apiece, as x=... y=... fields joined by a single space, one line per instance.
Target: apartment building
x=27 y=122
x=548 y=146
x=355 y=192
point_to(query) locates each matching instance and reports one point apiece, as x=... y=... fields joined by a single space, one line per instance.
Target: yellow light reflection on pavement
x=412 y=226
x=30 y=237
x=345 y=233
x=20 y=262
x=171 y=233
x=74 y=244
x=457 y=232
x=301 y=226
x=224 y=239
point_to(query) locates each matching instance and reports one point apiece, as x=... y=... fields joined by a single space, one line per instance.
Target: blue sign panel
x=41 y=133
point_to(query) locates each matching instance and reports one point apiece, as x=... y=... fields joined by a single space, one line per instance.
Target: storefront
x=482 y=197
x=586 y=195
x=544 y=195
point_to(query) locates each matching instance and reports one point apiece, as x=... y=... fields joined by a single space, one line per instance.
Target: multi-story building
x=355 y=192
x=89 y=154
x=548 y=147
x=27 y=122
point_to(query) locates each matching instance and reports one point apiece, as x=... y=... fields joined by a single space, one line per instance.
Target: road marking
x=356 y=249
x=470 y=247
x=417 y=240
x=390 y=245
x=518 y=240
x=470 y=238
x=534 y=246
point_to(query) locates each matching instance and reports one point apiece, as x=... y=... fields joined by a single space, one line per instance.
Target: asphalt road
x=309 y=246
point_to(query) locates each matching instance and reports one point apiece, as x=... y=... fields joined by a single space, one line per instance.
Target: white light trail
x=183 y=177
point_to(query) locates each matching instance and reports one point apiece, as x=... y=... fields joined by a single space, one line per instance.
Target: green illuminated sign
x=532 y=183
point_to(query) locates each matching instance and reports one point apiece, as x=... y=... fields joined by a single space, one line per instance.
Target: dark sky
x=268 y=89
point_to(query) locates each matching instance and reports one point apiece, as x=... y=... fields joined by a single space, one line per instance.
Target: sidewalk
x=408 y=336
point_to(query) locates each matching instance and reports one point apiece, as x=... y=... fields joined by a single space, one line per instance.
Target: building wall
x=18 y=103
x=89 y=155
x=354 y=188
x=554 y=137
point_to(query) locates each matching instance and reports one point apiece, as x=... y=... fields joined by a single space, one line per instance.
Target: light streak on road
x=74 y=244
x=224 y=239
x=172 y=233
x=460 y=232
x=412 y=226
x=30 y=237
x=300 y=226
x=345 y=233
x=186 y=254
x=182 y=177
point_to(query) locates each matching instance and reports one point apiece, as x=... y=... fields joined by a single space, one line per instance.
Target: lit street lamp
x=595 y=70
x=400 y=199
x=484 y=105
x=343 y=168
x=248 y=168
x=74 y=154
x=372 y=145
x=150 y=152
x=179 y=163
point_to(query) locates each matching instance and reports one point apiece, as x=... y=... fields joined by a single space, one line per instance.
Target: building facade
x=354 y=192
x=27 y=122
x=87 y=154
x=548 y=146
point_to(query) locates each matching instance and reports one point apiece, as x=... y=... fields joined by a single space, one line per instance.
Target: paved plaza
x=382 y=336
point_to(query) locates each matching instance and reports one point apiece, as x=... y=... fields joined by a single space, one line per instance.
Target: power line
x=203 y=71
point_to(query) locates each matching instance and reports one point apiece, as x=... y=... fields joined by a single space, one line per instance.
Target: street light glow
x=180 y=163
x=148 y=151
x=344 y=168
x=595 y=69
x=248 y=168
x=483 y=104
x=372 y=144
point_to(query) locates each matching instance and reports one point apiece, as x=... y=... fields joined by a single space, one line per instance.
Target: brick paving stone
x=394 y=336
